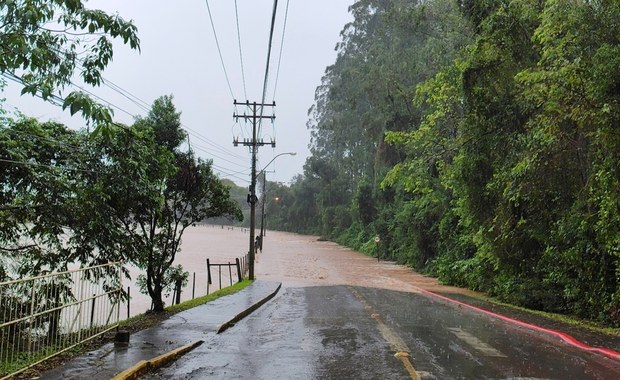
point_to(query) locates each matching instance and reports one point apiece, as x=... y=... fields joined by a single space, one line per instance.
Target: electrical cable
x=120 y=90
x=273 y=21
x=132 y=98
x=212 y=143
x=204 y=150
x=219 y=50
x=43 y=138
x=281 y=49
x=245 y=92
x=102 y=99
x=56 y=100
x=146 y=107
x=53 y=99
x=219 y=169
x=47 y=166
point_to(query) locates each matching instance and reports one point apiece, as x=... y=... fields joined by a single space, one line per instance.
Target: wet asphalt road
x=347 y=332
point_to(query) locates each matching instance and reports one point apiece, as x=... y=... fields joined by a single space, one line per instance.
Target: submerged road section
x=340 y=315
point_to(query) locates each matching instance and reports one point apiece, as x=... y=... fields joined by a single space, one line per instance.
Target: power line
x=281 y=49
x=273 y=21
x=118 y=89
x=245 y=92
x=59 y=102
x=219 y=50
x=53 y=99
x=102 y=99
x=132 y=98
x=210 y=142
x=203 y=149
x=49 y=139
x=47 y=166
x=220 y=170
x=233 y=172
x=146 y=107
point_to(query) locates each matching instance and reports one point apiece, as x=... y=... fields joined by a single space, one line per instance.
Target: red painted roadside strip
x=565 y=337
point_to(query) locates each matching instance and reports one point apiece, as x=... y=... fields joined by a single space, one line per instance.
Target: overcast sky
x=179 y=57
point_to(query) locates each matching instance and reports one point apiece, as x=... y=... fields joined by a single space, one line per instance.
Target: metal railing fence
x=226 y=272
x=43 y=316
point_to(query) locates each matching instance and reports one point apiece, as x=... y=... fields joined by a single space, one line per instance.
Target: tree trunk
x=156 y=298
x=158 y=303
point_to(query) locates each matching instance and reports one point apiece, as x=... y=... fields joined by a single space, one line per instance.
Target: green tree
x=570 y=162
x=386 y=52
x=44 y=43
x=42 y=167
x=152 y=191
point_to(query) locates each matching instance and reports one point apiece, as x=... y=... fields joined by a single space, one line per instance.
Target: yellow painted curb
x=133 y=372
x=144 y=366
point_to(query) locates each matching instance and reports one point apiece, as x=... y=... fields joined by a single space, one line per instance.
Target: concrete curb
x=144 y=366
x=248 y=311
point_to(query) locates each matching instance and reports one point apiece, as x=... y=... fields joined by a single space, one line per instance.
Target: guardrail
x=43 y=316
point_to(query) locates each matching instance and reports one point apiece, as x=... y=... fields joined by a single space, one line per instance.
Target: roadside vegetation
x=479 y=141
x=150 y=319
x=107 y=192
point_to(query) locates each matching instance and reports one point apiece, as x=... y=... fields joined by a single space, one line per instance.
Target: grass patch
x=564 y=318
x=150 y=319
x=568 y=319
x=210 y=297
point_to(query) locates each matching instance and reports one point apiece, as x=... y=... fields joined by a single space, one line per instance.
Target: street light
x=262 y=220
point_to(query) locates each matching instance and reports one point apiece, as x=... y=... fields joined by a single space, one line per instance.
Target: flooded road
x=341 y=315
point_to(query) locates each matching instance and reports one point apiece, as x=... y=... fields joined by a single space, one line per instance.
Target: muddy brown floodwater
x=338 y=309
x=220 y=244
x=292 y=259
x=297 y=260
x=305 y=261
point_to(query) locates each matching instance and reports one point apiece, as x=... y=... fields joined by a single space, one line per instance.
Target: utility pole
x=262 y=214
x=253 y=143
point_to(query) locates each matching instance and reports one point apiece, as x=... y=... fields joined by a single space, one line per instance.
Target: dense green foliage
x=479 y=140
x=67 y=197
x=44 y=44
x=149 y=191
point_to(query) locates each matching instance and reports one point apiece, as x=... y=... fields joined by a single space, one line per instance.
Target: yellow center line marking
x=409 y=367
x=397 y=344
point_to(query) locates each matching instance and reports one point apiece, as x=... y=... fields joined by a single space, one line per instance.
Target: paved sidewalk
x=180 y=330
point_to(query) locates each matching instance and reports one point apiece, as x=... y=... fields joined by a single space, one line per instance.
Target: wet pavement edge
x=485 y=307
x=248 y=311
x=145 y=366
x=222 y=313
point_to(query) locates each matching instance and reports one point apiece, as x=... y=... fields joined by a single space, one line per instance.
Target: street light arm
x=273 y=159
x=262 y=222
